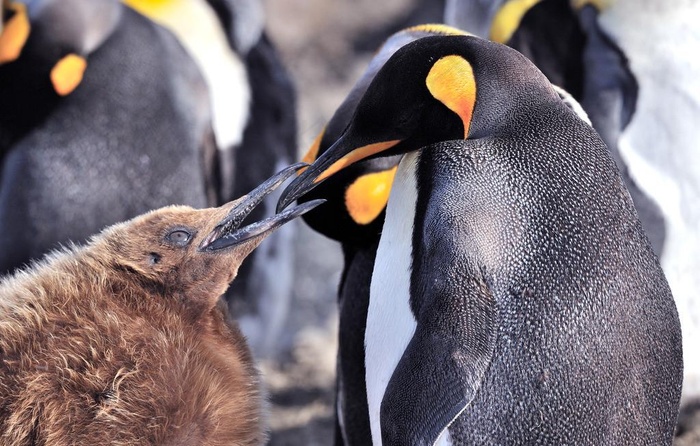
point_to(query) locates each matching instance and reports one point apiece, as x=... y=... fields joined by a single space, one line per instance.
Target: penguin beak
x=228 y=232
x=339 y=156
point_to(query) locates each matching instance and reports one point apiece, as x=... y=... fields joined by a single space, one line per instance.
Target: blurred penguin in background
x=232 y=125
x=103 y=116
x=632 y=67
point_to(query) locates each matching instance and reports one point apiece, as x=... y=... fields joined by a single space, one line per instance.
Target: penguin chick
x=515 y=298
x=122 y=341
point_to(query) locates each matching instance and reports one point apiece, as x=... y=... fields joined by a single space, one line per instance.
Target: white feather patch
x=198 y=29
x=390 y=322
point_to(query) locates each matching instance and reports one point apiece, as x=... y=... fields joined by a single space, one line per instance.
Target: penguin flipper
x=442 y=367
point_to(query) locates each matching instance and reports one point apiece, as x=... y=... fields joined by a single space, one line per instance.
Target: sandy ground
x=326 y=46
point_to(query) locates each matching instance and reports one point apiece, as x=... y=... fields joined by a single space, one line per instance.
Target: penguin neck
x=389 y=306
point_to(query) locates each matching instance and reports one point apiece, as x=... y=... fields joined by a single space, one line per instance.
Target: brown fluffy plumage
x=122 y=342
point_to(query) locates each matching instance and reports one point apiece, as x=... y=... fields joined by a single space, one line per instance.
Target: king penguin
x=123 y=341
x=566 y=42
x=515 y=298
x=624 y=62
x=353 y=215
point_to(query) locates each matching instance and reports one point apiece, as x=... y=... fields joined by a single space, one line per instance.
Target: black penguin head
x=44 y=47
x=357 y=196
x=52 y=38
x=193 y=253
x=434 y=89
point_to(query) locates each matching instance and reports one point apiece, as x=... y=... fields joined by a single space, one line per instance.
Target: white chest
x=390 y=322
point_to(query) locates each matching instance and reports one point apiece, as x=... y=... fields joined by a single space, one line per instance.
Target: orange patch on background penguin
x=67 y=74
x=14 y=33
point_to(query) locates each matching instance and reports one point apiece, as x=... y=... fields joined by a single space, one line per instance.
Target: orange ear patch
x=600 y=5
x=67 y=74
x=451 y=81
x=15 y=33
x=438 y=28
x=355 y=156
x=508 y=19
x=368 y=195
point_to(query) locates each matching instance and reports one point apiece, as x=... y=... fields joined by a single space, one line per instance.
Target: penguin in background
x=353 y=215
x=628 y=64
x=95 y=126
x=254 y=121
x=515 y=298
x=660 y=144
x=216 y=145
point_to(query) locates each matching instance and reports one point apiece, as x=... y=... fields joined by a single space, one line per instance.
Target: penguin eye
x=179 y=237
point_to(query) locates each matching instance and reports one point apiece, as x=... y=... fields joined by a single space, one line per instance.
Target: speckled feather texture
x=566 y=315
x=541 y=315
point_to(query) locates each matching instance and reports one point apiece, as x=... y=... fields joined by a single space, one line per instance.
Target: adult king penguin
x=568 y=45
x=254 y=123
x=353 y=215
x=626 y=62
x=514 y=298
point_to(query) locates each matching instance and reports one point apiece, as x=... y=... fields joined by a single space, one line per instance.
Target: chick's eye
x=179 y=237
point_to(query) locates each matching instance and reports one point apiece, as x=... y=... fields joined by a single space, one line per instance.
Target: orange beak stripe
x=15 y=33
x=355 y=156
x=311 y=154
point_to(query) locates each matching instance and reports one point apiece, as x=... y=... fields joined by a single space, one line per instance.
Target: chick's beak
x=228 y=232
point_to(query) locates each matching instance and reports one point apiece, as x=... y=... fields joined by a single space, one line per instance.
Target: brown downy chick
x=122 y=342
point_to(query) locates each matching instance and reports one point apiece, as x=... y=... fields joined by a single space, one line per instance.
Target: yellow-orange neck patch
x=355 y=156
x=451 y=81
x=67 y=74
x=438 y=28
x=508 y=19
x=15 y=33
x=368 y=195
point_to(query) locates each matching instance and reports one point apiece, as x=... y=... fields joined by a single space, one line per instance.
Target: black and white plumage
x=354 y=215
x=133 y=135
x=515 y=298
